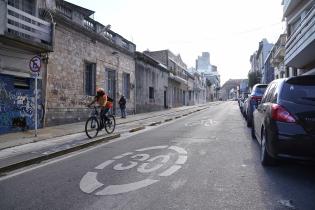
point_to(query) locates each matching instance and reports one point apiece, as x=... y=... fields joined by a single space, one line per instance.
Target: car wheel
x=265 y=158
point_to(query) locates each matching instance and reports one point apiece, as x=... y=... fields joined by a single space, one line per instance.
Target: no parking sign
x=35 y=64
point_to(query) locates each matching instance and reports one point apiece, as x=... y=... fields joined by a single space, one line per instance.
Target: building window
x=90 y=79
x=21 y=83
x=126 y=85
x=294 y=72
x=151 y=93
x=287 y=72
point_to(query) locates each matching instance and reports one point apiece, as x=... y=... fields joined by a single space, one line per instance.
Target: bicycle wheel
x=92 y=127
x=110 y=124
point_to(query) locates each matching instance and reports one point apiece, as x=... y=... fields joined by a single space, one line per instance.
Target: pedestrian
x=122 y=105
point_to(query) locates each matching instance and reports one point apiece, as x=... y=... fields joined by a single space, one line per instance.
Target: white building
x=300 y=46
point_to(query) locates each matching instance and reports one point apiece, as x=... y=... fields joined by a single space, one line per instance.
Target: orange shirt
x=102 y=101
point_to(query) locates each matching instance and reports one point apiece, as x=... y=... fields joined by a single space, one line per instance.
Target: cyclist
x=104 y=102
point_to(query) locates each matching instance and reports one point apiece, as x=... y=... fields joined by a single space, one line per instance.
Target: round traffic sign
x=35 y=64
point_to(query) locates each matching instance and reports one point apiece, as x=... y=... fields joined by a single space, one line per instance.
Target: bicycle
x=93 y=123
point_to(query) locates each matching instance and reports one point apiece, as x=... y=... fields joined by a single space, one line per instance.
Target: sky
x=229 y=30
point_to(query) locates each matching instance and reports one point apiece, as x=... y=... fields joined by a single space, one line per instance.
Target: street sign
x=35 y=64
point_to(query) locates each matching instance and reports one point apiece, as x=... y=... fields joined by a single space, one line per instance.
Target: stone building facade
x=18 y=45
x=151 y=84
x=86 y=55
x=178 y=80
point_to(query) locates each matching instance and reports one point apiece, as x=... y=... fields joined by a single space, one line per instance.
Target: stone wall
x=66 y=100
x=150 y=76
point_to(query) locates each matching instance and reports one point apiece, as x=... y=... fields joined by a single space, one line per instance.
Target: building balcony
x=289 y=5
x=23 y=30
x=301 y=44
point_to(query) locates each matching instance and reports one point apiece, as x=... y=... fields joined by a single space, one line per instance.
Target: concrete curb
x=155 y=123
x=39 y=159
x=169 y=119
x=177 y=117
x=136 y=129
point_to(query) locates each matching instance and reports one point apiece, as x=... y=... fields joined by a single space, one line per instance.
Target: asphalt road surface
x=203 y=161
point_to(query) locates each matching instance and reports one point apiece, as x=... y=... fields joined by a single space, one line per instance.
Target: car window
x=297 y=93
x=269 y=93
x=259 y=90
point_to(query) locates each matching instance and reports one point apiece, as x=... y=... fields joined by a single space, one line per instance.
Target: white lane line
x=89 y=182
x=143 y=168
x=117 y=189
x=150 y=148
x=123 y=155
x=120 y=167
x=178 y=149
x=170 y=171
x=104 y=164
x=181 y=160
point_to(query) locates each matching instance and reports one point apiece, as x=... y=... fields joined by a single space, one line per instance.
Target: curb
x=169 y=119
x=136 y=129
x=39 y=159
x=178 y=117
x=155 y=123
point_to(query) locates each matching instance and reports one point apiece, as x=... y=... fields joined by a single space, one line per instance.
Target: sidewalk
x=20 y=138
x=23 y=148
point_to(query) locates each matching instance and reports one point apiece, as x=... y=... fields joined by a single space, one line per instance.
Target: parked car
x=241 y=102
x=253 y=100
x=284 y=122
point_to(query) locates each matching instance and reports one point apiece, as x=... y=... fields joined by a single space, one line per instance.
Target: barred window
x=90 y=79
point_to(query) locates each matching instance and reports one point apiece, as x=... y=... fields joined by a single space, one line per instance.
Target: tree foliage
x=253 y=78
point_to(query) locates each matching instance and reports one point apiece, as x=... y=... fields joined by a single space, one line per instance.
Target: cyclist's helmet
x=100 y=91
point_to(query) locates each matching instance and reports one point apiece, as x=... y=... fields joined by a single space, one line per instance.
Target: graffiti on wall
x=16 y=105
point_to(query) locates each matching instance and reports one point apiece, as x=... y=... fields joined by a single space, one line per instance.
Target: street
x=206 y=160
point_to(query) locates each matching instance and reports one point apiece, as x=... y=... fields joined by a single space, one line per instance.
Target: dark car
x=284 y=122
x=253 y=100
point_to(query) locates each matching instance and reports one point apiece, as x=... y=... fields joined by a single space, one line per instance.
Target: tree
x=253 y=78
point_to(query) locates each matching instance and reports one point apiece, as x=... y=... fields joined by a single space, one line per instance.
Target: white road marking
x=151 y=148
x=143 y=168
x=164 y=158
x=118 y=189
x=181 y=160
x=120 y=167
x=143 y=157
x=68 y=156
x=123 y=155
x=178 y=149
x=104 y=164
x=89 y=183
x=170 y=171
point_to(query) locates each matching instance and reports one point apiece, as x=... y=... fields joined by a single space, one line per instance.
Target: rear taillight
x=279 y=113
x=256 y=98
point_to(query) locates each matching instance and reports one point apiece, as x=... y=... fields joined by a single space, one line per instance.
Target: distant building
x=152 y=84
x=263 y=51
x=269 y=73
x=300 y=45
x=203 y=64
x=178 y=80
x=229 y=89
x=277 y=57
